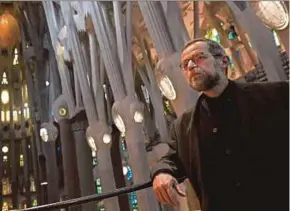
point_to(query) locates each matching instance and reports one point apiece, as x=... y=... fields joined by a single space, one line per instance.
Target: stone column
x=71 y=178
x=118 y=168
x=84 y=159
x=158 y=30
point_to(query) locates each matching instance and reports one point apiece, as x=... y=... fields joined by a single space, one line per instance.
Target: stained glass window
x=212 y=34
x=98 y=186
x=133 y=201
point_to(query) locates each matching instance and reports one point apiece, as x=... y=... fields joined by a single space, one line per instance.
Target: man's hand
x=167 y=188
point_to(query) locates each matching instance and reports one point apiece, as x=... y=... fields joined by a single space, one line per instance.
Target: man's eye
x=201 y=57
x=185 y=63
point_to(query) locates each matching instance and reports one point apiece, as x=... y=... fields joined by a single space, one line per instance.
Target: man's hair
x=213 y=47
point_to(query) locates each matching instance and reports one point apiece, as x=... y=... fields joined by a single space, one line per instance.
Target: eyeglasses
x=196 y=60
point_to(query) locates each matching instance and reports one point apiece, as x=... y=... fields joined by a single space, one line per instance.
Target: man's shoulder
x=263 y=86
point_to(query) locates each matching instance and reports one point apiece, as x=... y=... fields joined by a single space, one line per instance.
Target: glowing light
x=5 y=149
x=92 y=144
x=5 y=96
x=9 y=28
x=120 y=123
x=107 y=138
x=62 y=111
x=125 y=170
x=167 y=88
x=138 y=116
x=44 y=134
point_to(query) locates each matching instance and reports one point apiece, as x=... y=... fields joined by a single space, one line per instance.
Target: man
x=233 y=145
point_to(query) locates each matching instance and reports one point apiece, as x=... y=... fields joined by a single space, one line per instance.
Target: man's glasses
x=196 y=60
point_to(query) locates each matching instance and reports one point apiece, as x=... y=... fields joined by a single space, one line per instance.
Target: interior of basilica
x=83 y=109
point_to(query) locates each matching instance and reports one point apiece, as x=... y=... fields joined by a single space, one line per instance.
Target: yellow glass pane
x=7 y=116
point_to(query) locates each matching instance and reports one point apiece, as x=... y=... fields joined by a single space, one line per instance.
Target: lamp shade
x=9 y=30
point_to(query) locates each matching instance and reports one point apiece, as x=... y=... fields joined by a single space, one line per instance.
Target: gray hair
x=213 y=47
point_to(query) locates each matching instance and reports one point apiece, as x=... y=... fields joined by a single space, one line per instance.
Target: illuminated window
x=212 y=34
x=15 y=60
x=2 y=116
x=15 y=116
x=32 y=184
x=7 y=116
x=123 y=145
x=5 y=206
x=6 y=186
x=21 y=160
x=5 y=96
x=26 y=111
x=34 y=203
x=99 y=186
x=4 y=79
x=133 y=200
x=5 y=158
x=25 y=93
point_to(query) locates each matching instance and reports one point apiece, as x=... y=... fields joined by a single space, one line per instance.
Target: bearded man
x=233 y=145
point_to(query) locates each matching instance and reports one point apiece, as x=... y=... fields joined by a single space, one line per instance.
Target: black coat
x=264 y=110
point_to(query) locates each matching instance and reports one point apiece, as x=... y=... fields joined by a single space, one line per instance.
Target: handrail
x=90 y=198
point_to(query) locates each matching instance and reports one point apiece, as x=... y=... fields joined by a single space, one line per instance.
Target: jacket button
x=229 y=151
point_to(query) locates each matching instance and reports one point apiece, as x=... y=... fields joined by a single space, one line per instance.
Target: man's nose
x=191 y=65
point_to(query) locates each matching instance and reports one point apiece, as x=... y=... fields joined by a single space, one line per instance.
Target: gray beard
x=209 y=83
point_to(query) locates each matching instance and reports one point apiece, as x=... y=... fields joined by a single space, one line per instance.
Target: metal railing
x=90 y=198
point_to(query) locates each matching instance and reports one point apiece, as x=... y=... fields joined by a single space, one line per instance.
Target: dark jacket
x=264 y=110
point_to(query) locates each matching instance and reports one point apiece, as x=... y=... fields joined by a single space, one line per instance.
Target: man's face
x=200 y=67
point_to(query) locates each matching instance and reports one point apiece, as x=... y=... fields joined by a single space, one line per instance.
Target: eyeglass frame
x=196 y=65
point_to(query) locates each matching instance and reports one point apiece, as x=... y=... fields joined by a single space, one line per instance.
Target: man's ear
x=225 y=61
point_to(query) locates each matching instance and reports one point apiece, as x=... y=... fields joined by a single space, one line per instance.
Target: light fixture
x=44 y=183
x=5 y=96
x=47 y=83
x=272 y=13
x=119 y=123
x=107 y=138
x=5 y=149
x=94 y=154
x=167 y=88
x=26 y=105
x=125 y=170
x=138 y=116
x=5 y=158
x=10 y=32
x=62 y=111
x=44 y=134
x=92 y=144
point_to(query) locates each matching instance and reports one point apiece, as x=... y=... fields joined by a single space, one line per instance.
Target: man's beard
x=208 y=82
